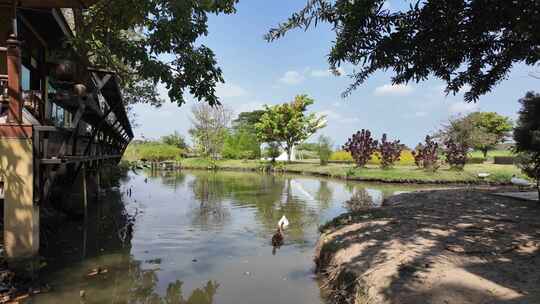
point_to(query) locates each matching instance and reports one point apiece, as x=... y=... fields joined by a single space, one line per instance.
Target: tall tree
x=288 y=124
x=463 y=42
x=479 y=130
x=151 y=41
x=497 y=126
x=209 y=128
x=247 y=120
x=527 y=137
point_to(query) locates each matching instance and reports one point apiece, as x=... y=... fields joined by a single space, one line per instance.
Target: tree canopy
x=288 y=124
x=242 y=141
x=497 y=127
x=463 y=42
x=153 y=41
x=479 y=130
x=210 y=127
x=527 y=136
x=175 y=139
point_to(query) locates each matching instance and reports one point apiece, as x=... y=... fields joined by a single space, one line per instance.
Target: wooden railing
x=4 y=97
x=34 y=104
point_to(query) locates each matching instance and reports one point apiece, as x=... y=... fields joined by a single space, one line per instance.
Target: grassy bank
x=498 y=173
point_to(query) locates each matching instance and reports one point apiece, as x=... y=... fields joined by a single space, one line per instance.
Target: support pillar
x=14 y=80
x=21 y=214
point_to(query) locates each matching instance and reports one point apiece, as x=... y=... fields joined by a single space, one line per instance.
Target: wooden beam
x=51 y=3
x=14 y=80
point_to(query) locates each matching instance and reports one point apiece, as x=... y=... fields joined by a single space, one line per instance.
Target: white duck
x=283 y=222
x=520 y=182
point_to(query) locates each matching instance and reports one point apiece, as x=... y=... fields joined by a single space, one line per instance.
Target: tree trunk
x=538 y=187
x=288 y=150
x=485 y=153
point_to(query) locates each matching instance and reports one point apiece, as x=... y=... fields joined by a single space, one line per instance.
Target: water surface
x=200 y=237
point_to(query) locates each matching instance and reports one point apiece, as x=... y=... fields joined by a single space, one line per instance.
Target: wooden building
x=57 y=113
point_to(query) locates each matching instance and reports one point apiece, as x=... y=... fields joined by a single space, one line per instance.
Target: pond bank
x=498 y=174
x=469 y=247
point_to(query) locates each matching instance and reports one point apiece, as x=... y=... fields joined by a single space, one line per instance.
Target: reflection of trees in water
x=108 y=246
x=360 y=200
x=324 y=195
x=271 y=196
x=209 y=190
x=145 y=283
x=173 y=179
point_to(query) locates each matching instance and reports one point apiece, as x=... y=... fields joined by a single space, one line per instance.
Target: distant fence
x=504 y=160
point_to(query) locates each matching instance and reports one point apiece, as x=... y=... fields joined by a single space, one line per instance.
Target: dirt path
x=453 y=246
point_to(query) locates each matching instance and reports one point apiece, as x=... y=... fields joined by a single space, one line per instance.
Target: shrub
x=361 y=146
x=158 y=151
x=343 y=156
x=325 y=149
x=426 y=155
x=389 y=152
x=456 y=153
x=504 y=160
x=406 y=158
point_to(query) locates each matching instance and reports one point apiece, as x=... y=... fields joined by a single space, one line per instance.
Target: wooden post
x=85 y=198
x=14 y=80
x=98 y=178
x=85 y=204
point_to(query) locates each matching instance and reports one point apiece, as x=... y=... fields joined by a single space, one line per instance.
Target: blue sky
x=257 y=73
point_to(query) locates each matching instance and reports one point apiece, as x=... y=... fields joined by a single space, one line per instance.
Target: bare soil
x=450 y=246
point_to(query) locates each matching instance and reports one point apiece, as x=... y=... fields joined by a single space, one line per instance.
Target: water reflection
x=199 y=237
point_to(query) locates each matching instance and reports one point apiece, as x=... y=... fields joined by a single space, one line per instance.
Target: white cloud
x=227 y=90
x=420 y=114
x=292 y=78
x=463 y=108
x=320 y=73
x=393 y=90
x=338 y=117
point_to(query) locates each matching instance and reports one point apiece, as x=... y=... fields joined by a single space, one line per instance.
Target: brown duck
x=277 y=238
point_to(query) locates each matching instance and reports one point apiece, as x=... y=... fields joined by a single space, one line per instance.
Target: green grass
x=499 y=173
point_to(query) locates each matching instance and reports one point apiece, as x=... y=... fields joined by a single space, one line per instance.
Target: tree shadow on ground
x=454 y=246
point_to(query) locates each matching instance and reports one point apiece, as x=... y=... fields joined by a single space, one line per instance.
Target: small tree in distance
x=390 y=152
x=175 y=139
x=287 y=124
x=324 y=149
x=361 y=146
x=527 y=137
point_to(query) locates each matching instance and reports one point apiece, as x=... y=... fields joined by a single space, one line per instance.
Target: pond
x=199 y=237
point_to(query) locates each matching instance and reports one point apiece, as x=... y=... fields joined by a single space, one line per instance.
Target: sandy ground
x=452 y=246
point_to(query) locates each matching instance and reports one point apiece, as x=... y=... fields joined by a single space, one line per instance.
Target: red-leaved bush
x=426 y=155
x=455 y=153
x=361 y=146
x=389 y=151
